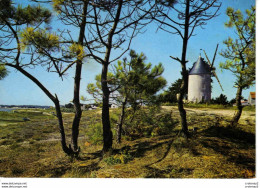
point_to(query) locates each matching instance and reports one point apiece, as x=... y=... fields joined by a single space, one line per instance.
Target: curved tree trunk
x=239 y=94
x=56 y=102
x=120 y=124
x=76 y=99
x=239 y=107
x=65 y=148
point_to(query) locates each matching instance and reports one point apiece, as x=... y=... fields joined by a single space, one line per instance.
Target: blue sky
x=156 y=45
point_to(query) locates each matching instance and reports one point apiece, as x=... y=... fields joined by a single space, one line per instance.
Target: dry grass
x=32 y=149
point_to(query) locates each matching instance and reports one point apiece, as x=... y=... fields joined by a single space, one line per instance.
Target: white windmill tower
x=199 y=87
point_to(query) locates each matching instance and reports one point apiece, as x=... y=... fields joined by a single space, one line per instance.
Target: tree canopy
x=133 y=79
x=240 y=51
x=221 y=99
x=170 y=95
x=33 y=44
x=3 y=72
x=133 y=82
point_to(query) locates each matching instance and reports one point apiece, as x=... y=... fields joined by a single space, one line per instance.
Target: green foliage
x=69 y=105
x=76 y=50
x=221 y=99
x=112 y=160
x=43 y=40
x=135 y=80
x=170 y=95
x=24 y=15
x=149 y=122
x=6 y=9
x=32 y=15
x=3 y=72
x=206 y=105
x=232 y=101
x=69 y=110
x=165 y=124
x=57 y=5
x=94 y=133
x=95 y=90
x=250 y=108
x=168 y=3
x=240 y=51
x=122 y=158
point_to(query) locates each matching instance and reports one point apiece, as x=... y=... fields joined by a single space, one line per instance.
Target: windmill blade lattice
x=211 y=65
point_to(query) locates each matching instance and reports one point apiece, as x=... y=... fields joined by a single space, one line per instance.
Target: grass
x=212 y=106
x=32 y=149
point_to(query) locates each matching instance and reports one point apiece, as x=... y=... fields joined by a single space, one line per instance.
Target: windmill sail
x=215 y=55
x=211 y=65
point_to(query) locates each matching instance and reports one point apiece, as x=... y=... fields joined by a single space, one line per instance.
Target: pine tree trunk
x=181 y=108
x=239 y=107
x=184 y=86
x=66 y=149
x=77 y=107
x=120 y=124
x=77 y=78
x=107 y=133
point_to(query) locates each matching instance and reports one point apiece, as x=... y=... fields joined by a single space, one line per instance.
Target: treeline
x=169 y=96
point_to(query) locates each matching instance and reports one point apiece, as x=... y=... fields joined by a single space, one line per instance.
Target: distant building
x=92 y=107
x=251 y=98
x=244 y=102
x=113 y=106
x=84 y=106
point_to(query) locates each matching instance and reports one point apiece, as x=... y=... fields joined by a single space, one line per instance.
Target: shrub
x=164 y=123
x=121 y=158
x=95 y=128
x=69 y=110
x=112 y=160
x=149 y=122
x=95 y=133
x=169 y=104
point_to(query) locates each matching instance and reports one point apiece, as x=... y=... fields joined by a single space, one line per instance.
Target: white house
x=244 y=102
x=251 y=98
x=114 y=106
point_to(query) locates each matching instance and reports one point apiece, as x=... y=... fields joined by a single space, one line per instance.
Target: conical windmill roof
x=200 y=67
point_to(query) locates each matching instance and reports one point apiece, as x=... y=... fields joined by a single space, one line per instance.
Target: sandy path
x=223 y=112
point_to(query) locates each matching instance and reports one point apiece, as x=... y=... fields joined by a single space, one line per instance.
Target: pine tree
x=35 y=41
x=133 y=83
x=240 y=53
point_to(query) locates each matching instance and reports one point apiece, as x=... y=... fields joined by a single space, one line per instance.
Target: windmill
x=199 y=87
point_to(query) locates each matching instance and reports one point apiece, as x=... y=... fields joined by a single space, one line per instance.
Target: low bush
x=69 y=110
x=95 y=133
x=121 y=158
x=249 y=108
x=149 y=121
